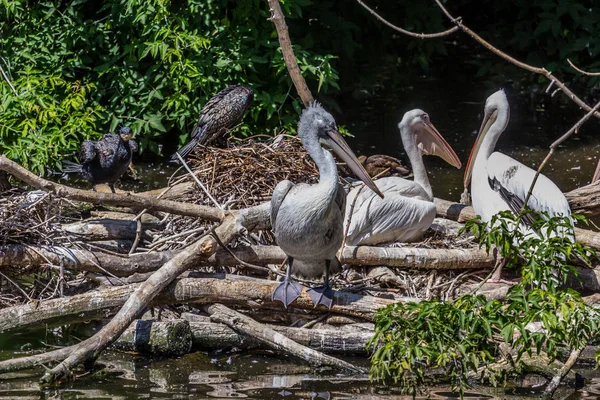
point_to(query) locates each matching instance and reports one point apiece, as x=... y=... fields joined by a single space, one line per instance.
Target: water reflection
x=249 y=375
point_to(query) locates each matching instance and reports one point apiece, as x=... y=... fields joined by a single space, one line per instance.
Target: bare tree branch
x=514 y=61
x=404 y=31
x=582 y=71
x=114 y=199
x=553 y=146
x=288 y=52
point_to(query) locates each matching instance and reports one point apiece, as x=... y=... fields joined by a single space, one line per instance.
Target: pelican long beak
x=433 y=143
x=596 y=173
x=488 y=121
x=341 y=148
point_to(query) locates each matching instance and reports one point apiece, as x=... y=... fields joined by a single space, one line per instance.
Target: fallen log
x=83 y=260
x=122 y=200
x=106 y=229
x=234 y=224
x=163 y=338
x=208 y=335
x=585 y=200
x=275 y=340
x=100 y=262
x=233 y=290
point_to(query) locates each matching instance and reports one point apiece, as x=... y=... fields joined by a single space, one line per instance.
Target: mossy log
x=163 y=338
x=352 y=339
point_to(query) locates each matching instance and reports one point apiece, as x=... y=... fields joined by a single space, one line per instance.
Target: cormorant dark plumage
x=105 y=160
x=221 y=113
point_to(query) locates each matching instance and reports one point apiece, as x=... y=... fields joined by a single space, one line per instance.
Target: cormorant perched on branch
x=221 y=113
x=106 y=160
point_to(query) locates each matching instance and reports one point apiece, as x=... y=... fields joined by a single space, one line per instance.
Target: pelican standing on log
x=407 y=210
x=307 y=220
x=499 y=182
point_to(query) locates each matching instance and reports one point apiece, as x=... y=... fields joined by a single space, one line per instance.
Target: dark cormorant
x=106 y=160
x=221 y=113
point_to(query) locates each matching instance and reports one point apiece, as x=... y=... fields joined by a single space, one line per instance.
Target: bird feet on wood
x=286 y=292
x=321 y=295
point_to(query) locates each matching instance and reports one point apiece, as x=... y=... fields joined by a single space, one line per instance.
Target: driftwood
x=233 y=290
x=211 y=335
x=163 y=338
x=106 y=229
x=99 y=262
x=275 y=340
x=90 y=349
x=122 y=200
x=83 y=260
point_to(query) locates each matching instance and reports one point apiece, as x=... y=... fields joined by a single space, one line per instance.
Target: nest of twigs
x=246 y=173
x=240 y=176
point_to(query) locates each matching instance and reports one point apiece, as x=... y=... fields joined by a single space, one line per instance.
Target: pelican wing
x=512 y=180
x=396 y=217
x=281 y=190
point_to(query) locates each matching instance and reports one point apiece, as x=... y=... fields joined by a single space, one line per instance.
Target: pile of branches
x=246 y=173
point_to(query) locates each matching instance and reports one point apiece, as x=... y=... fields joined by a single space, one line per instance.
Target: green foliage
x=466 y=334
x=81 y=68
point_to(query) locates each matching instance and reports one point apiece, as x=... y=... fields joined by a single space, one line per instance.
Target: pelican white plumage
x=307 y=220
x=407 y=210
x=499 y=182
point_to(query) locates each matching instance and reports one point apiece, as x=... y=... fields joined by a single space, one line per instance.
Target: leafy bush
x=466 y=334
x=81 y=68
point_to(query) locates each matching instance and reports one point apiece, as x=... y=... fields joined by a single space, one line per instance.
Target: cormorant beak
x=431 y=142
x=596 y=173
x=341 y=148
x=488 y=121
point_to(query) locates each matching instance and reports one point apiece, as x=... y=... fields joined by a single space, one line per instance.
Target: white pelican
x=407 y=210
x=307 y=220
x=500 y=182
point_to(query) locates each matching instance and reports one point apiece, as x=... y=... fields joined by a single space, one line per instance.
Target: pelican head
x=125 y=133
x=317 y=125
x=416 y=128
x=496 y=113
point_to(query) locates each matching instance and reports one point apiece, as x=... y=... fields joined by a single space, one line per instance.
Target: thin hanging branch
x=554 y=145
x=582 y=71
x=404 y=31
x=536 y=70
x=288 y=52
x=541 y=71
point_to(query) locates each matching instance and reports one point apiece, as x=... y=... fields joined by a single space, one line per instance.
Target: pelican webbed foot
x=321 y=295
x=288 y=290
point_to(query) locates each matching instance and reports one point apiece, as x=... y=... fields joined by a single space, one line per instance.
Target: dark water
x=240 y=375
x=456 y=110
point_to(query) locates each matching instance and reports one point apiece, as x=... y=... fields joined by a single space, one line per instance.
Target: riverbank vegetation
x=75 y=70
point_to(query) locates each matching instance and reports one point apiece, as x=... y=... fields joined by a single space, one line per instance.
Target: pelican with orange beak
x=499 y=182
x=407 y=210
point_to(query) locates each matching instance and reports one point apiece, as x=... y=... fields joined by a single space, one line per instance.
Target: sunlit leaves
x=538 y=315
x=153 y=64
